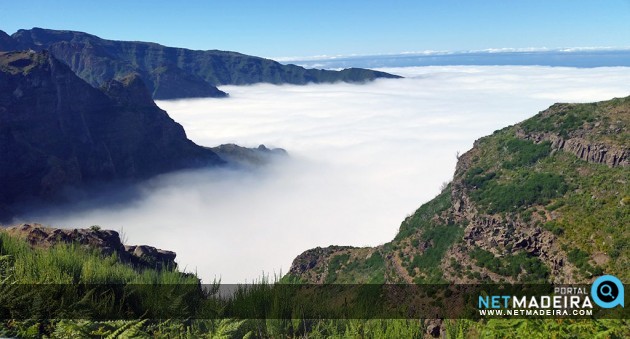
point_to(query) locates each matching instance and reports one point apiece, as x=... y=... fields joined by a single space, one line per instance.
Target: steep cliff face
x=58 y=131
x=594 y=133
x=169 y=72
x=545 y=200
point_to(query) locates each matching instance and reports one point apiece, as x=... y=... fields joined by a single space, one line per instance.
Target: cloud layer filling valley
x=362 y=157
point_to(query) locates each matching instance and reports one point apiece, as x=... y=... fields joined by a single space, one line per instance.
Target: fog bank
x=362 y=157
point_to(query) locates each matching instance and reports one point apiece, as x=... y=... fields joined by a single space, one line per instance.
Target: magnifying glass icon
x=606 y=290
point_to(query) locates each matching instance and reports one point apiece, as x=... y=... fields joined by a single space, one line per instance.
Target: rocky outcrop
x=171 y=82
x=312 y=265
x=592 y=132
x=150 y=256
x=503 y=235
x=129 y=91
x=56 y=131
x=169 y=73
x=107 y=242
x=246 y=157
x=599 y=153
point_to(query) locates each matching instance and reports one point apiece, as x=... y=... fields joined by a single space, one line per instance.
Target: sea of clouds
x=362 y=158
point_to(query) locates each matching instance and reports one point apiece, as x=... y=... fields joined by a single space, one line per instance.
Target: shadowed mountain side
x=545 y=200
x=58 y=131
x=6 y=42
x=170 y=73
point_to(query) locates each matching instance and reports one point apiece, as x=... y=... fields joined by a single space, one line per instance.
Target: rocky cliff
x=588 y=132
x=545 y=200
x=169 y=72
x=57 y=131
x=248 y=157
x=106 y=242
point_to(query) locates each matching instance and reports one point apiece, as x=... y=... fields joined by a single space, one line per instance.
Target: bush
x=524 y=153
x=580 y=259
x=554 y=227
x=529 y=189
x=512 y=265
x=562 y=122
x=441 y=239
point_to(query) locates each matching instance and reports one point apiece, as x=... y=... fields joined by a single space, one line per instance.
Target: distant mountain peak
x=169 y=73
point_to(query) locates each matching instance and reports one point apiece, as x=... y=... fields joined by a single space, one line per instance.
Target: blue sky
x=307 y=28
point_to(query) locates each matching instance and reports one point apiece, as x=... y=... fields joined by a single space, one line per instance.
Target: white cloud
x=289 y=59
x=362 y=158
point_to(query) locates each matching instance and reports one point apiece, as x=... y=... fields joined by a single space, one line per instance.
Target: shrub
x=512 y=265
x=524 y=152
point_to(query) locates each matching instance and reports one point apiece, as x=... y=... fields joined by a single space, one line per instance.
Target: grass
x=520 y=266
x=564 y=121
x=512 y=183
x=441 y=238
x=74 y=264
x=357 y=270
x=522 y=191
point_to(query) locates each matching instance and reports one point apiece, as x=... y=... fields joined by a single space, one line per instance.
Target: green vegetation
x=525 y=152
x=538 y=328
x=370 y=270
x=604 y=117
x=514 y=185
x=335 y=265
x=581 y=203
x=554 y=227
x=85 y=286
x=520 y=266
x=423 y=215
x=581 y=260
x=441 y=238
x=73 y=264
x=564 y=121
x=526 y=190
x=16 y=253
x=427 y=225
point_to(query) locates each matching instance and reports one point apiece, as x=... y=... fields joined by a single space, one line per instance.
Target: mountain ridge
x=58 y=131
x=170 y=72
x=545 y=200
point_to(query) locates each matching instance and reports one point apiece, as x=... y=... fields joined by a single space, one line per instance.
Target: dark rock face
x=105 y=241
x=169 y=73
x=248 y=157
x=151 y=256
x=58 y=131
x=599 y=153
x=171 y=82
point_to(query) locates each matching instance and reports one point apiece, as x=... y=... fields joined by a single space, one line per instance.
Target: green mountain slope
x=169 y=72
x=547 y=199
